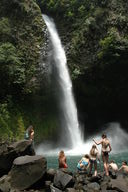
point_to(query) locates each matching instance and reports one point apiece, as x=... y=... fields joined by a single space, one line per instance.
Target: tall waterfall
x=70 y=132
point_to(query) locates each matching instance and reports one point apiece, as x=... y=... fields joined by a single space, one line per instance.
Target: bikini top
x=84 y=162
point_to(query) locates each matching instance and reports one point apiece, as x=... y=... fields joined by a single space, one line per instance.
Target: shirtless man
x=124 y=167
x=105 y=150
x=113 y=166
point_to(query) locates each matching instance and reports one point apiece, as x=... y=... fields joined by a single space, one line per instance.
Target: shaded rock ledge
x=8 y=152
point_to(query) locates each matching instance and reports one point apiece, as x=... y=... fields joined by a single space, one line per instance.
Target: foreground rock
x=8 y=152
x=62 y=180
x=119 y=184
x=27 y=170
x=5 y=185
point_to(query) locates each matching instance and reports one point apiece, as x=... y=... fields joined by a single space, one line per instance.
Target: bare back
x=105 y=145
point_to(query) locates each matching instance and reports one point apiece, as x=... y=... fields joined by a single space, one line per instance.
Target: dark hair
x=30 y=128
x=104 y=136
x=125 y=162
x=112 y=161
x=87 y=156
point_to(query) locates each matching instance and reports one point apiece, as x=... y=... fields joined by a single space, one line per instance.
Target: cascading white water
x=76 y=145
x=67 y=104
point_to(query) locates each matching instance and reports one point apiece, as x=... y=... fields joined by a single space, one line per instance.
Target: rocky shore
x=22 y=170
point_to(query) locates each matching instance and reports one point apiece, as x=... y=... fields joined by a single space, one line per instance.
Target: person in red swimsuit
x=62 y=160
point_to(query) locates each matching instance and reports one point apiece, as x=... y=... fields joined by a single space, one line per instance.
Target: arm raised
x=97 y=142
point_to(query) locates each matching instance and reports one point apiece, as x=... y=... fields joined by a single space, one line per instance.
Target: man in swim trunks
x=105 y=150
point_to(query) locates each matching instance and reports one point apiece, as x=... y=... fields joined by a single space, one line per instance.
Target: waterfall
x=70 y=132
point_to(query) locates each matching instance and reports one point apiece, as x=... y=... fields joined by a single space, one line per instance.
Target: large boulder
x=27 y=170
x=50 y=174
x=62 y=180
x=95 y=187
x=8 y=152
x=54 y=189
x=119 y=184
x=5 y=185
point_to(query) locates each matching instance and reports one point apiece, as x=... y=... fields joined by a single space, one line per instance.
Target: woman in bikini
x=105 y=150
x=62 y=160
x=94 y=155
x=83 y=164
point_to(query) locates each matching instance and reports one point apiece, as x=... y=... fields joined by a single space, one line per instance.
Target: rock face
x=27 y=170
x=9 y=152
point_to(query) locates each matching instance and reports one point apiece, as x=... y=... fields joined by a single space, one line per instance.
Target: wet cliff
x=94 y=34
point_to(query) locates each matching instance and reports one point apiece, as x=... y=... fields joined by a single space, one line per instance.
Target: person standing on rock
x=29 y=135
x=105 y=150
x=94 y=155
x=62 y=160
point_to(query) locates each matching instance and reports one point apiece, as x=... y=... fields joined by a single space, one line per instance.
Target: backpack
x=26 y=135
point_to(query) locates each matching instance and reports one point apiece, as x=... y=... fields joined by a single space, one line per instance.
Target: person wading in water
x=105 y=150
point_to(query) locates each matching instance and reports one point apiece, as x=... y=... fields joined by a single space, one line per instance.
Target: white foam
x=117 y=136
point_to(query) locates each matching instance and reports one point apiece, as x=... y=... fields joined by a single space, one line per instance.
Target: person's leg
x=104 y=162
x=95 y=168
x=106 y=165
x=90 y=168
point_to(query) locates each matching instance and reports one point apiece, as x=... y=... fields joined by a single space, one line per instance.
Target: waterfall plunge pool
x=52 y=161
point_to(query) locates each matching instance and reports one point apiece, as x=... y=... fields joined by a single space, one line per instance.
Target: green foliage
x=11 y=69
x=5 y=132
x=20 y=41
x=95 y=33
x=22 y=28
x=113 y=45
x=76 y=73
x=20 y=127
x=5 y=29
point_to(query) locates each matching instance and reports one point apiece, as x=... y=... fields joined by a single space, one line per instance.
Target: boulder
x=95 y=179
x=95 y=187
x=8 y=152
x=50 y=174
x=54 y=189
x=113 y=174
x=62 y=180
x=27 y=170
x=5 y=185
x=47 y=186
x=85 y=188
x=119 y=184
x=70 y=190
